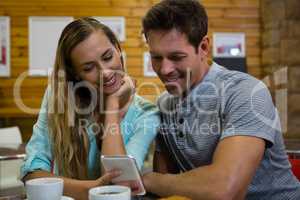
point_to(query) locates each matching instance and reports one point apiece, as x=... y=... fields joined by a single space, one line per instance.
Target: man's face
x=175 y=60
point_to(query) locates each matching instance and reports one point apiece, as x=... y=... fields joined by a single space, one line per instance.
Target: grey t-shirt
x=228 y=103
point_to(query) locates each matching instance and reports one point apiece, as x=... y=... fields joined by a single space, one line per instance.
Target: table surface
x=18 y=193
x=12 y=151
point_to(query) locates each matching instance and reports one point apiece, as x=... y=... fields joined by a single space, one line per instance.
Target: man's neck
x=205 y=69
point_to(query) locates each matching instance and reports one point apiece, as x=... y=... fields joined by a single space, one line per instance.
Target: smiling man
x=220 y=135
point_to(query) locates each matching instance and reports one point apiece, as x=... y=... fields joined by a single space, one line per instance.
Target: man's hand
x=151 y=179
x=133 y=185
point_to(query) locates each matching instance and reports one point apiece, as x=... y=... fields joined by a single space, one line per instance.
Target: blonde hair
x=70 y=144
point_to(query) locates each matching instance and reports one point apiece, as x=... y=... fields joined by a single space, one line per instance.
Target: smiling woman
x=90 y=108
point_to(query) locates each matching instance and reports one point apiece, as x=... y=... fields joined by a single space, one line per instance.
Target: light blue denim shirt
x=138 y=127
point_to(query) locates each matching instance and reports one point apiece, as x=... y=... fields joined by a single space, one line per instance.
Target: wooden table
x=21 y=195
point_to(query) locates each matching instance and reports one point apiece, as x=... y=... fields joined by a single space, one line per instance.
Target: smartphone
x=128 y=166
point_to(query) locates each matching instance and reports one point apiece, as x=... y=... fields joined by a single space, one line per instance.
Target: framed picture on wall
x=148 y=70
x=229 y=45
x=116 y=24
x=4 y=46
x=44 y=33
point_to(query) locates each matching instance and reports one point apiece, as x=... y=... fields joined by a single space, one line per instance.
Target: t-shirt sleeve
x=38 y=152
x=249 y=111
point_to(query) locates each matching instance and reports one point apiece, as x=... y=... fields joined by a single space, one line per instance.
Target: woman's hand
x=107 y=177
x=127 y=89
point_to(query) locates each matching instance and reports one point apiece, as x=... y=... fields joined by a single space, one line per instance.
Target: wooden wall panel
x=224 y=16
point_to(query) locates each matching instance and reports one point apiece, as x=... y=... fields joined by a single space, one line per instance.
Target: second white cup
x=111 y=192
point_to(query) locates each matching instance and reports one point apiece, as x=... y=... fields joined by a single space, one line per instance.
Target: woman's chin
x=109 y=91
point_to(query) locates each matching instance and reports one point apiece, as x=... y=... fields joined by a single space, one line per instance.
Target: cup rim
x=38 y=181
x=93 y=190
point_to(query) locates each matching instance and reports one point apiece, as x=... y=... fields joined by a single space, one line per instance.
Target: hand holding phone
x=130 y=174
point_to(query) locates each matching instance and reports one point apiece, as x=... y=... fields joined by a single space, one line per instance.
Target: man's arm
x=162 y=163
x=234 y=163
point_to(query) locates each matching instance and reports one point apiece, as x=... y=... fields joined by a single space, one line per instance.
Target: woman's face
x=97 y=57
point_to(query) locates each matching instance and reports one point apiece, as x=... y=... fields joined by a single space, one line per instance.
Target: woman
x=89 y=109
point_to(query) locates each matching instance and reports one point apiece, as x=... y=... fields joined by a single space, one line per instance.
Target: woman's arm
x=77 y=189
x=112 y=140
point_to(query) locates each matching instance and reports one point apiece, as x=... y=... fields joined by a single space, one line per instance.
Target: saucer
x=66 y=198
x=63 y=198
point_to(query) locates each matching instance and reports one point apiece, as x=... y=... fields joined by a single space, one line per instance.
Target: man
x=219 y=127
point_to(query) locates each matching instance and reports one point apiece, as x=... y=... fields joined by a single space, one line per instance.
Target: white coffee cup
x=47 y=188
x=111 y=192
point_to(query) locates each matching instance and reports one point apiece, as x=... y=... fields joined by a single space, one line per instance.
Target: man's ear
x=204 y=46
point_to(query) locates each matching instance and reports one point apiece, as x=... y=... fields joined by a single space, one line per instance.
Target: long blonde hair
x=70 y=144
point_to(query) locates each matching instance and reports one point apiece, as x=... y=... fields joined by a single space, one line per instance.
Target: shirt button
x=180 y=134
x=181 y=120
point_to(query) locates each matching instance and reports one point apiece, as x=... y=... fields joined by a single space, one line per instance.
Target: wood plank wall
x=224 y=16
